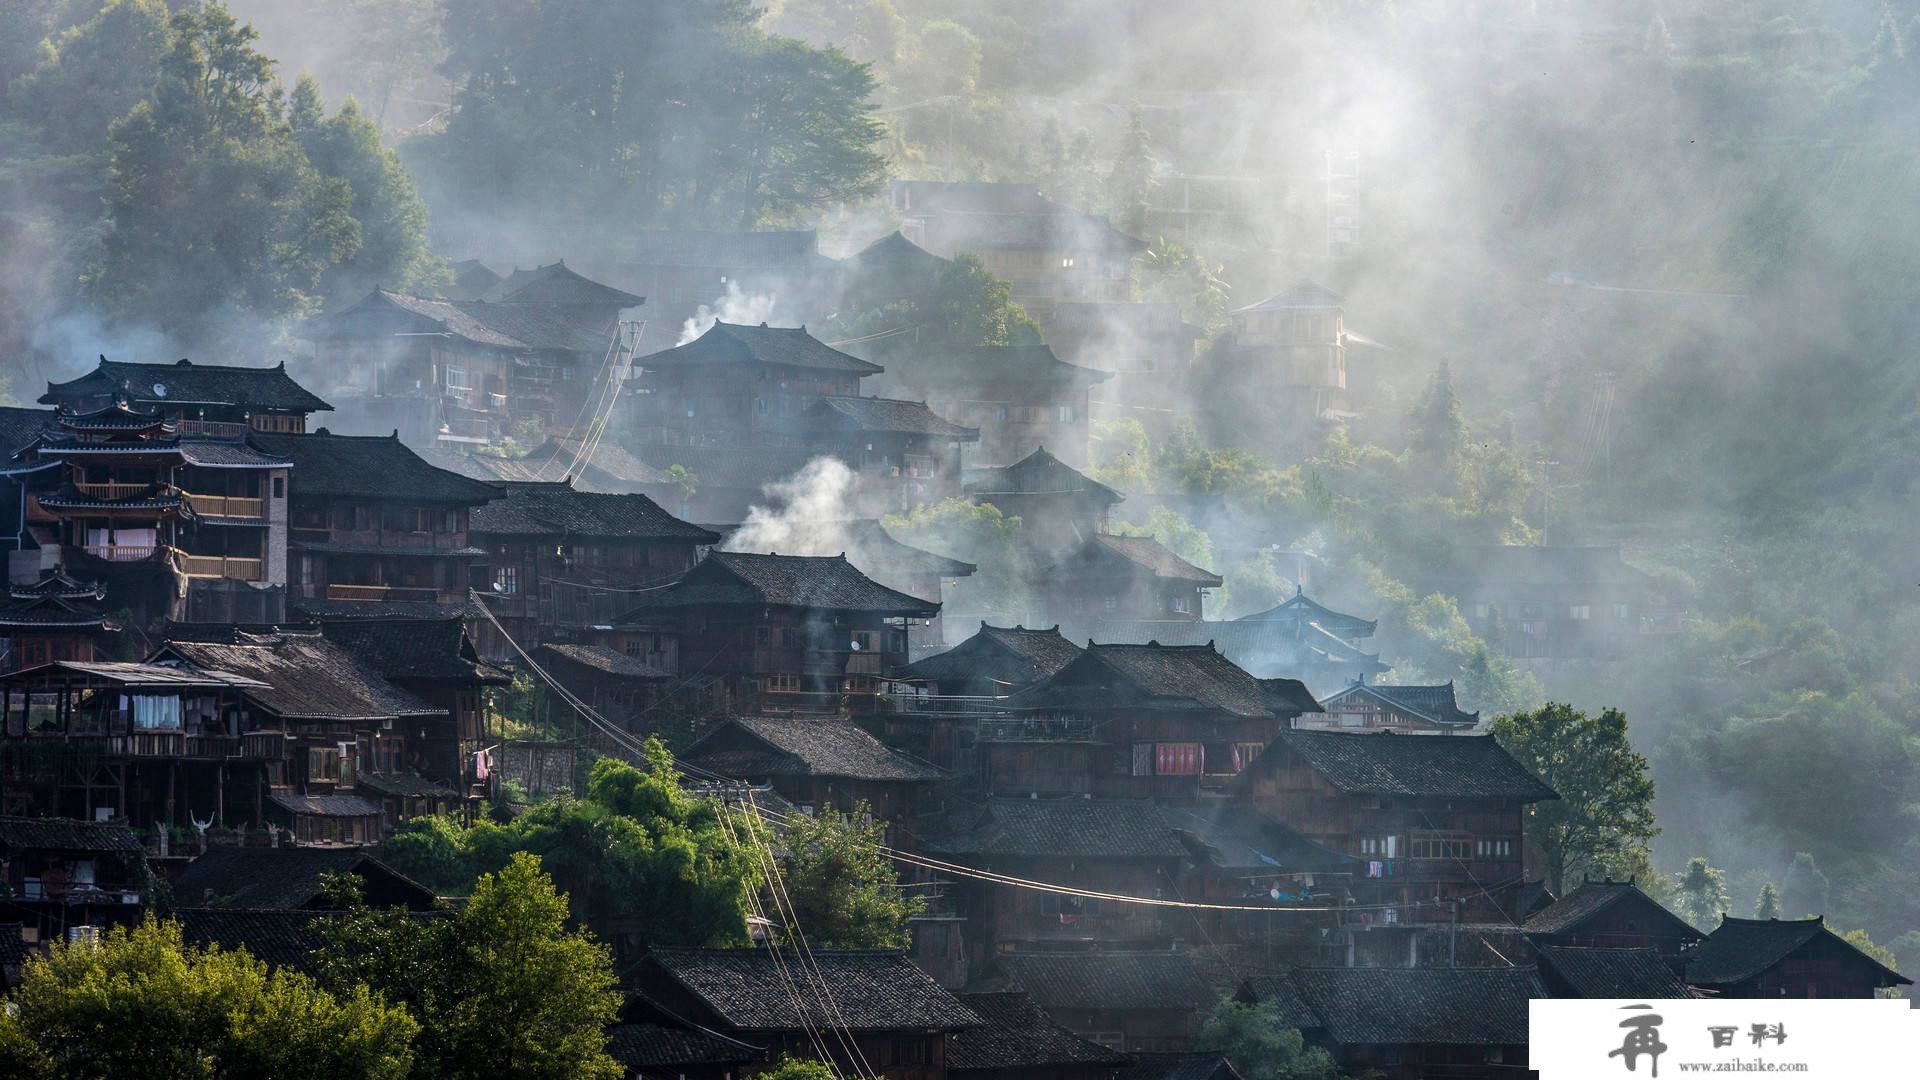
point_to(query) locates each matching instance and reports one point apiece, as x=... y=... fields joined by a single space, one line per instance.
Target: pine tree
x=1439 y=427
x=1702 y=894
x=1768 y=905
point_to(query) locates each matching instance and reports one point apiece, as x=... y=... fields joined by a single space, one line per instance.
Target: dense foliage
x=1259 y=1046
x=840 y=888
x=640 y=860
x=140 y=1003
x=1603 y=820
x=501 y=986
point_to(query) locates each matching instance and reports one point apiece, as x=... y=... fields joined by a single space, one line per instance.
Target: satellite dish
x=160 y=389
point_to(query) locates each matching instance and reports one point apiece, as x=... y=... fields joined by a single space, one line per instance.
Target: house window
x=1380 y=847
x=1143 y=759
x=457 y=378
x=1620 y=611
x=1441 y=846
x=1179 y=759
x=763 y=636
x=1180 y=603
x=1244 y=753
x=506 y=580
x=1581 y=612
x=1063 y=414
x=1493 y=849
x=279 y=487
x=783 y=683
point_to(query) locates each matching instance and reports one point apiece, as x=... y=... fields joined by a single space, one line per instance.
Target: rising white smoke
x=805 y=514
x=737 y=306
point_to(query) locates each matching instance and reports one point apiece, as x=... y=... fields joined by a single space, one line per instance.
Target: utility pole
x=1453 y=936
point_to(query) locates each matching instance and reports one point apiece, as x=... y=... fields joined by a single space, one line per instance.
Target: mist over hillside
x=1643 y=274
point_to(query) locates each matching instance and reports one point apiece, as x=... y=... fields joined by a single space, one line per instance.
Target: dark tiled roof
x=60 y=585
x=556 y=284
x=1290 y=1007
x=1739 y=949
x=66 y=834
x=780 y=346
x=1289 y=696
x=871 y=990
x=515 y=327
x=561 y=511
x=1150 y=554
x=403 y=785
x=19 y=426
x=1451 y=766
x=1571 y=912
x=1081 y=828
x=876 y=552
x=277 y=937
x=1432 y=703
x=228 y=453
x=1178 y=1065
x=356 y=611
x=1015 y=655
x=472 y=278
x=325 y=805
x=1016 y=1034
x=889 y=415
x=985 y=365
x=1040 y=473
x=1448 y=1006
x=263 y=388
x=1303 y=608
x=646 y=1047
x=277 y=878
x=48 y=611
x=1113 y=980
x=1237 y=838
x=1512 y=565
x=1613 y=973
x=894 y=256
x=610 y=469
x=801 y=581
x=602 y=659
x=367 y=467
x=1151 y=676
x=307 y=677
x=413 y=648
x=750 y=467
x=790 y=746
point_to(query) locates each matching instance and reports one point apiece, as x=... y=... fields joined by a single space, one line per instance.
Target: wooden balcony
x=120 y=552
x=228 y=506
x=115 y=490
x=251 y=746
x=225 y=566
x=381 y=594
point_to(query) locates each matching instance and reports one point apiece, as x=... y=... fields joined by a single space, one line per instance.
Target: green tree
x=970 y=306
x=1259 y=1046
x=94 y=74
x=794 y=1068
x=140 y=1003
x=215 y=215
x=1701 y=894
x=1768 y=904
x=1001 y=590
x=682 y=112
x=1605 y=808
x=1804 y=890
x=639 y=858
x=1171 y=273
x=502 y=987
x=392 y=219
x=845 y=893
x=1439 y=428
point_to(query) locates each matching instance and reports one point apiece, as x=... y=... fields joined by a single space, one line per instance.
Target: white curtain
x=154 y=713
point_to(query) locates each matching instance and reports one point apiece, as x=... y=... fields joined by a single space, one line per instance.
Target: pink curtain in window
x=1178 y=759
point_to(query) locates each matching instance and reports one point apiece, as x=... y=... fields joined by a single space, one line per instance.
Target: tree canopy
x=1604 y=814
x=141 y=1003
x=844 y=892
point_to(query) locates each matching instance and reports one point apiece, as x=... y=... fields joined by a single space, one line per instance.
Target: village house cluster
x=253 y=626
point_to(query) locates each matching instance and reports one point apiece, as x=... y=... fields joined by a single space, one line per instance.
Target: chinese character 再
x=1762 y=1032
x=1643 y=1037
x=1723 y=1036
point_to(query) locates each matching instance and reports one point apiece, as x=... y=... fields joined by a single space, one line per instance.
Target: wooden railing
x=233 y=506
x=115 y=490
x=223 y=428
x=120 y=552
x=225 y=566
x=380 y=593
x=253 y=745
